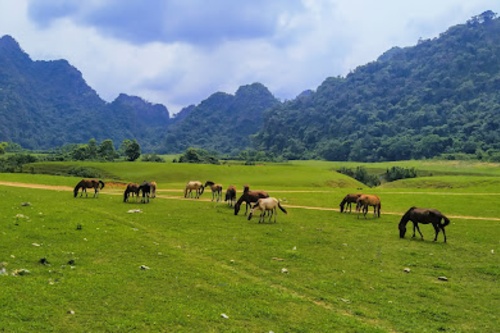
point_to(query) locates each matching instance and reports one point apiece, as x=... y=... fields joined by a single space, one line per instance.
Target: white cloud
x=180 y=57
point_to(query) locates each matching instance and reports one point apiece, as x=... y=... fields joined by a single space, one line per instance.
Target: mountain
x=439 y=96
x=47 y=104
x=222 y=122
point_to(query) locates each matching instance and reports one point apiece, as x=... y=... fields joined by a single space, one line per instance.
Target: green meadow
x=184 y=265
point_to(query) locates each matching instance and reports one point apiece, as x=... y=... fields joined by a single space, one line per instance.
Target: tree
x=131 y=149
x=92 y=149
x=106 y=150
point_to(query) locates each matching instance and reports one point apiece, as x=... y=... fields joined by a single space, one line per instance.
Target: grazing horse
x=424 y=216
x=366 y=200
x=216 y=190
x=153 y=189
x=145 y=188
x=349 y=200
x=132 y=188
x=194 y=185
x=84 y=184
x=267 y=205
x=230 y=195
x=249 y=197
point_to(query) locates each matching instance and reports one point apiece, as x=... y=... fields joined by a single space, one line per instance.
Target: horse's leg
x=436 y=229
x=365 y=210
x=415 y=225
x=444 y=234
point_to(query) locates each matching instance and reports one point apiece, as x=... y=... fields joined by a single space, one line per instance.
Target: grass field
x=207 y=270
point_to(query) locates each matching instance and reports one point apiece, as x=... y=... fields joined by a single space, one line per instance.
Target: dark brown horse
x=84 y=184
x=216 y=190
x=145 y=188
x=349 y=200
x=230 y=195
x=424 y=216
x=366 y=200
x=132 y=188
x=248 y=197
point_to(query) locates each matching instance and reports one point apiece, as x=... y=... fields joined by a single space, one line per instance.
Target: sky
x=179 y=52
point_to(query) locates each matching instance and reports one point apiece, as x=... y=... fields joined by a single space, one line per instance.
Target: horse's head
x=342 y=204
x=402 y=230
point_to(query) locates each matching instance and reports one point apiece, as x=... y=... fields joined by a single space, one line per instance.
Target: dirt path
x=68 y=188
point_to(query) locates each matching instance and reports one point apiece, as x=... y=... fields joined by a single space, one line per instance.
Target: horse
x=249 y=197
x=145 y=188
x=230 y=195
x=424 y=216
x=267 y=205
x=84 y=184
x=349 y=200
x=132 y=188
x=194 y=185
x=153 y=189
x=216 y=190
x=366 y=200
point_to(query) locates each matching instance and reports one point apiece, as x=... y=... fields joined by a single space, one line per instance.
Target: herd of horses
x=261 y=201
x=416 y=215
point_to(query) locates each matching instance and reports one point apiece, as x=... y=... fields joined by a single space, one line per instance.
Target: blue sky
x=179 y=52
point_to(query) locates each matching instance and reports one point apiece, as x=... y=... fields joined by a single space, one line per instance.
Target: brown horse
x=84 y=184
x=249 y=197
x=366 y=200
x=231 y=195
x=194 y=185
x=216 y=190
x=269 y=205
x=349 y=200
x=424 y=216
x=153 y=189
x=132 y=188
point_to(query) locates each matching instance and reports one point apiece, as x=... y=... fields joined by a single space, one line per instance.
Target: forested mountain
x=442 y=95
x=47 y=104
x=439 y=96
x=222 y=122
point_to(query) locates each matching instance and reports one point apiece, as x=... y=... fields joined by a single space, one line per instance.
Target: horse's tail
x=101 y=183
x=202 y=189
x=282 y=209
x=446 y=221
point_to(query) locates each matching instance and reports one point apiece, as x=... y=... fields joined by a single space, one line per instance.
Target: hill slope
x=418 y=102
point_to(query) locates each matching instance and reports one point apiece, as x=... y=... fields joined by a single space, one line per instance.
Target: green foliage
x=198 y=156
x=396 y=172
x=361 y=174
x=438 y=97
x=131 y=149
x=84 y=172
x=152 y=158
x=15 y=162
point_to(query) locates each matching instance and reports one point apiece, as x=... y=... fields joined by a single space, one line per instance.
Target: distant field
x=206 y=270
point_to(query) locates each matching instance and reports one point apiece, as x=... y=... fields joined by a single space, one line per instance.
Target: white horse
x=268 y=205
x=194 y=185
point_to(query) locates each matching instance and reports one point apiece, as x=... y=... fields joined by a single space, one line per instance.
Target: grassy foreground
x=206 y=270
